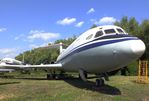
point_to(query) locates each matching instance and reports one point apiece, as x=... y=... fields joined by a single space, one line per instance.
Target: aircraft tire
x=99 y=82
x=51 y=76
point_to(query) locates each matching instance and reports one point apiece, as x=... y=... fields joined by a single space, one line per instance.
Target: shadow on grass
x=89 y=85
x=30 y=78
x=6 y=83
x=44 y=78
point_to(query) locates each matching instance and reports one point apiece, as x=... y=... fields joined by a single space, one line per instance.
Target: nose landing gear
x=99 y=82
x=83 y=75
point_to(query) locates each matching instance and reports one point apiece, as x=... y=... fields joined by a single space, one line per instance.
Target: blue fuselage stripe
x=97 y=44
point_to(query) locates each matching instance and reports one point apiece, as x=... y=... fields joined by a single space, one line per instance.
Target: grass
x=119 y=88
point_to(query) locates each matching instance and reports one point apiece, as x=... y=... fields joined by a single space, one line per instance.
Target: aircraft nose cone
x=138 y=47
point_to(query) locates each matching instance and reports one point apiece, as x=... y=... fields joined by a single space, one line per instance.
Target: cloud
x=104 y=21
x=91 y=10
x=66 y=21
x=19 y=37
x=107 y=20
x=2 y=29
x=8 y=52
x=35 y=34
x=79 y=24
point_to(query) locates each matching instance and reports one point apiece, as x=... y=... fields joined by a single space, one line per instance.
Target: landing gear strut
x=100 y=81
x=83 y=75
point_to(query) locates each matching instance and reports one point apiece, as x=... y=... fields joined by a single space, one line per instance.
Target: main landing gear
x=99 y=82
x=50 y=76
x=59 y=75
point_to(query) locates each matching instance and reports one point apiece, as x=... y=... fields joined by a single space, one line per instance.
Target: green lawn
x=119 y=88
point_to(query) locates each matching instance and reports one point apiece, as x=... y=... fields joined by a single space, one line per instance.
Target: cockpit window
x=89 y=37
x=120 y=31
x=109 y=31
x=99 y=33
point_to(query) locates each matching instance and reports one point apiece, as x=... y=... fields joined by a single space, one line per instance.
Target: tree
x=43 y=55
x=134 y=28
x=93 y=26
x=145 y=34
x=123 y=23
x=130 y=25
x=67 y=42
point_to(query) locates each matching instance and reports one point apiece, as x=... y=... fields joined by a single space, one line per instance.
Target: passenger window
x=89 y=37
x=120 y=31
x=109 y=31
x=99 y=33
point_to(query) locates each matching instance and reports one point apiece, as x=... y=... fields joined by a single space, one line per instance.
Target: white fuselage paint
x=105 y=53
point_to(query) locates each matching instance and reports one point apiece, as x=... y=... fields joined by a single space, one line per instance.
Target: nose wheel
x=99 y=82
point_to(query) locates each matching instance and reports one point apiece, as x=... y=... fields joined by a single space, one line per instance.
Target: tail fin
x=58 y=46
x=61 y=48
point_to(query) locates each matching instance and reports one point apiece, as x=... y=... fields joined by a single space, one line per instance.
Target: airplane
x=9 y=61
x=97 y=51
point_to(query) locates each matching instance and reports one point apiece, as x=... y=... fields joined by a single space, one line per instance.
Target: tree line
x=48 y=55
x=43 y=55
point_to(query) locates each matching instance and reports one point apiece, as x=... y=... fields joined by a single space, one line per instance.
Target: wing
x=6 y=70
x=45 y=66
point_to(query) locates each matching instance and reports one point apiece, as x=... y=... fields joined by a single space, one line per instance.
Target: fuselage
x=101 y=49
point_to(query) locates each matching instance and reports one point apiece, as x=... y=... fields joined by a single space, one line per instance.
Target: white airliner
x=99 y=50
x=9 y=61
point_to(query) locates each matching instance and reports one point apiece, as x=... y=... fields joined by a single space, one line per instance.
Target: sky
x=28 y=24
